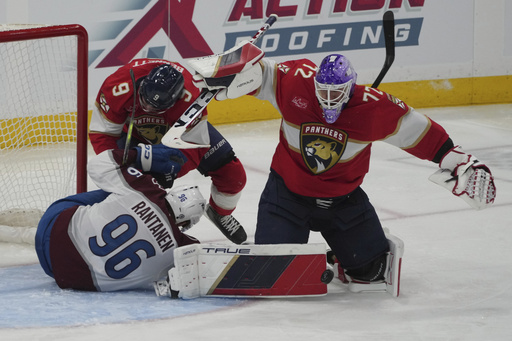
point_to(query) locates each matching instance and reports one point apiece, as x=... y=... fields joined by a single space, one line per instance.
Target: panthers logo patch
x=151 y=128
x=321 y=146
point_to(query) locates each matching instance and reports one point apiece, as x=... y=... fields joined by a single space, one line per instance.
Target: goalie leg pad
x=278 y=270
x=393 y=272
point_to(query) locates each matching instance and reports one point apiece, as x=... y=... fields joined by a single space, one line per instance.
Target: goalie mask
x=188 y=205
x=334 y=84
x=160 y=89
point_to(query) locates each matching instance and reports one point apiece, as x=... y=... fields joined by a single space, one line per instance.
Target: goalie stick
x=173 y=137
x=388 y=23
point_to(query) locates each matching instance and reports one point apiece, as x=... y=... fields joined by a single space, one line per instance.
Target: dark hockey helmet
x=334 y=83
x=160 y=89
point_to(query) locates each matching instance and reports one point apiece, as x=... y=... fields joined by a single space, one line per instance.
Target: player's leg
x=282 y=216
x=228 y=180
x=361 y=246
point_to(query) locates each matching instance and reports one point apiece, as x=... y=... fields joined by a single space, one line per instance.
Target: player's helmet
x=188 y=205
x=334 y=83
x=160 y=89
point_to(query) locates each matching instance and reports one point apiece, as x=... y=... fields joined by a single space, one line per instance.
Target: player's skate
x=228 y=225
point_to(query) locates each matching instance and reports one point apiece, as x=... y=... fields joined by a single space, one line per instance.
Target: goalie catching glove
x=235 y=72
x=466 y=177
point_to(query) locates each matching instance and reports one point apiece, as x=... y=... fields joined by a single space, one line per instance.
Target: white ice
x=456 y=273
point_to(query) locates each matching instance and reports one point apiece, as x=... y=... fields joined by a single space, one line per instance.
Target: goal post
x=43 y=117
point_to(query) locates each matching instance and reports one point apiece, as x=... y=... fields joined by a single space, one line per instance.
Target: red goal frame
x=82 y=83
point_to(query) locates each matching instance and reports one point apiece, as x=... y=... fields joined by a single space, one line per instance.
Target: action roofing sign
x=184 y=24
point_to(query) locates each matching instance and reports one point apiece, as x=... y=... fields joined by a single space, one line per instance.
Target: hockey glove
x=159 y=159
x=235 y=72
x=466 y=177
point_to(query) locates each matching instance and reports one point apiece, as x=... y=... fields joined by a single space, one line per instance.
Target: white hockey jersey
x=125 y=241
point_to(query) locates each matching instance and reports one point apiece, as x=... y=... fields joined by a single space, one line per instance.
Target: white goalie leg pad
x=184 y=277
x=182 y=280
x=391 y=283
x=393 y=271
x=277 y=270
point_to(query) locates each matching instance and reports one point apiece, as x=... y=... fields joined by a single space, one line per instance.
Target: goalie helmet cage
x=43 y=118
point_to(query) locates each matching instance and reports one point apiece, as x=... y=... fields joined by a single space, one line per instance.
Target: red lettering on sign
x=274 y=7
x=412 y=3
x=254 y=11
x=366 y=5
x=177 y=24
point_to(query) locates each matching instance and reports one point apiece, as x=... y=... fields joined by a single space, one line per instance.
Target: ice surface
x=456 y=272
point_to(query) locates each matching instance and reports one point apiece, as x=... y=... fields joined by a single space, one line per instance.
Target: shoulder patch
x=397 y=101
x=283 y=68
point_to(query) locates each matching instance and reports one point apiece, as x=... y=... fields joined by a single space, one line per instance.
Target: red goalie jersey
x=330 y=160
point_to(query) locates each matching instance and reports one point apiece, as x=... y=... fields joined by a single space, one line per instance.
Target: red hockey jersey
x=114 y=104
x=323 y=160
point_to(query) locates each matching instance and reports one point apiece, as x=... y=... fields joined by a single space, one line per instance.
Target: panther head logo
x=151 y=128
x=151 y=133
x=322 y=147
x=323 y=153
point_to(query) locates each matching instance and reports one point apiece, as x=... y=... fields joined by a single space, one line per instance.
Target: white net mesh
x=38 y=106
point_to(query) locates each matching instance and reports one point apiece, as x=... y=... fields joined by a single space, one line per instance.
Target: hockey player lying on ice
x=328 y=126
x=123 y=235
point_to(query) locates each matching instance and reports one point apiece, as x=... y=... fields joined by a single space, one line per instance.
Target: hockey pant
x=349 y=224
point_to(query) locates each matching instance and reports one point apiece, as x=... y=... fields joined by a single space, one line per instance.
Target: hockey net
x=43 y=118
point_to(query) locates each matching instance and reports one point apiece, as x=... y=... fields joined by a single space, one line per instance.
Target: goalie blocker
x=247 y=271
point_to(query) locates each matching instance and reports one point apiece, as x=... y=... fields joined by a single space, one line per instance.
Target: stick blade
x=388 y=23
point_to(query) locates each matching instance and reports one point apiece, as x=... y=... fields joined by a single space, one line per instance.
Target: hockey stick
x=173 y=136
x=388 y=23
x=130 y=126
